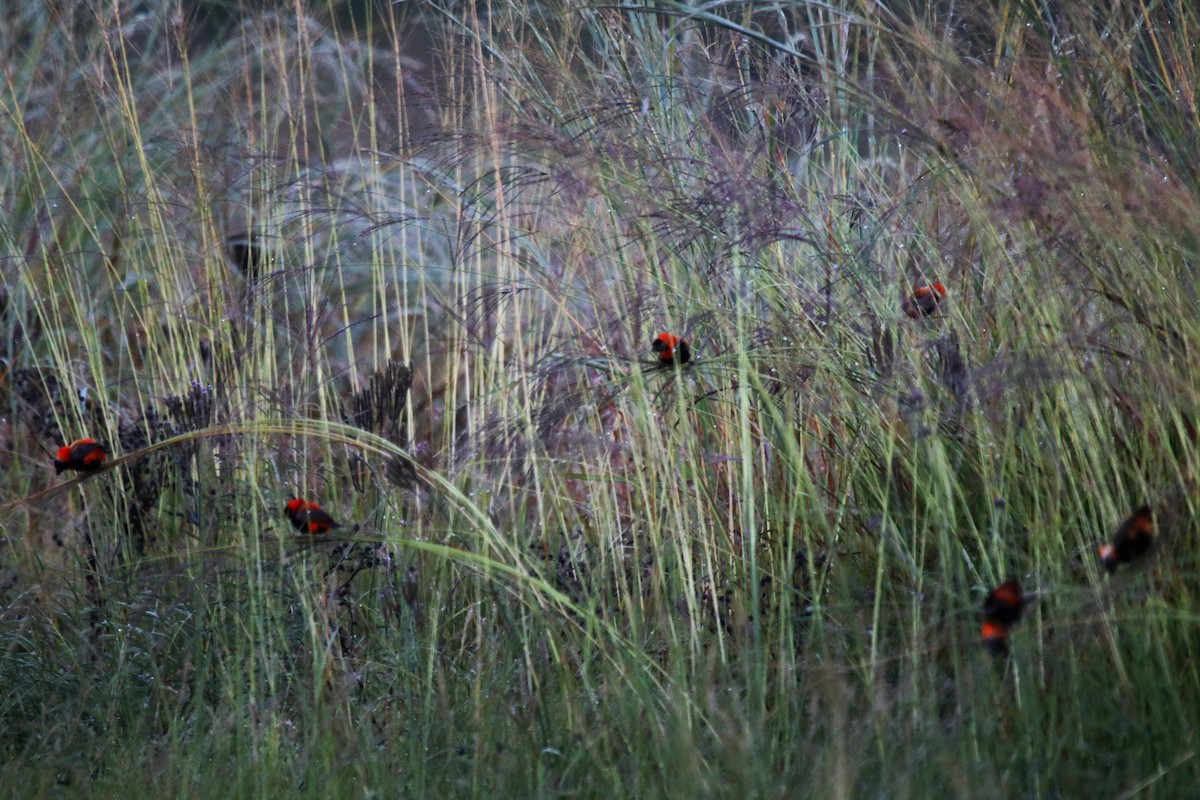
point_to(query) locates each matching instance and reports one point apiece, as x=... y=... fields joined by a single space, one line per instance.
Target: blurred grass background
x=567 y=573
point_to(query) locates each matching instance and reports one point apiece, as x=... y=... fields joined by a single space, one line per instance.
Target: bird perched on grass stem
x=924 y=300
x=81 y=455
x=1131 y=541
x=309 y=517
x=1001 y=610
x=671 y=350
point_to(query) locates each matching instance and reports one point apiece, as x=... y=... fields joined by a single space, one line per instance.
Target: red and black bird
x=671 y=350
x=1131 y=541
x=1001 y=610
x=924 y=300
x=309 y=517
x=81 y=455
x=246 y=252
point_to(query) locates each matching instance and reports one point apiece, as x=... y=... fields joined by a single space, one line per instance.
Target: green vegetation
x=564 y=571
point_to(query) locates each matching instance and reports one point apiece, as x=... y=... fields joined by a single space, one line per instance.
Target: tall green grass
x=564 y=571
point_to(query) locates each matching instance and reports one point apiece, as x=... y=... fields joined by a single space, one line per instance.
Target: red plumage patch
x=668 y=346
x=924 y=300
x=995 y=638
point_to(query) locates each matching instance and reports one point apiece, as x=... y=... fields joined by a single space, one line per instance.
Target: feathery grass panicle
x=410 y=259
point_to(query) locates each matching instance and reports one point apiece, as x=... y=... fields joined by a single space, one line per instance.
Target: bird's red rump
x=319 y=522
x=994 y=630
x=995 y=638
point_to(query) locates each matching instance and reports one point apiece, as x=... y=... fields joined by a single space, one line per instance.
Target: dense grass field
x=407 y=260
